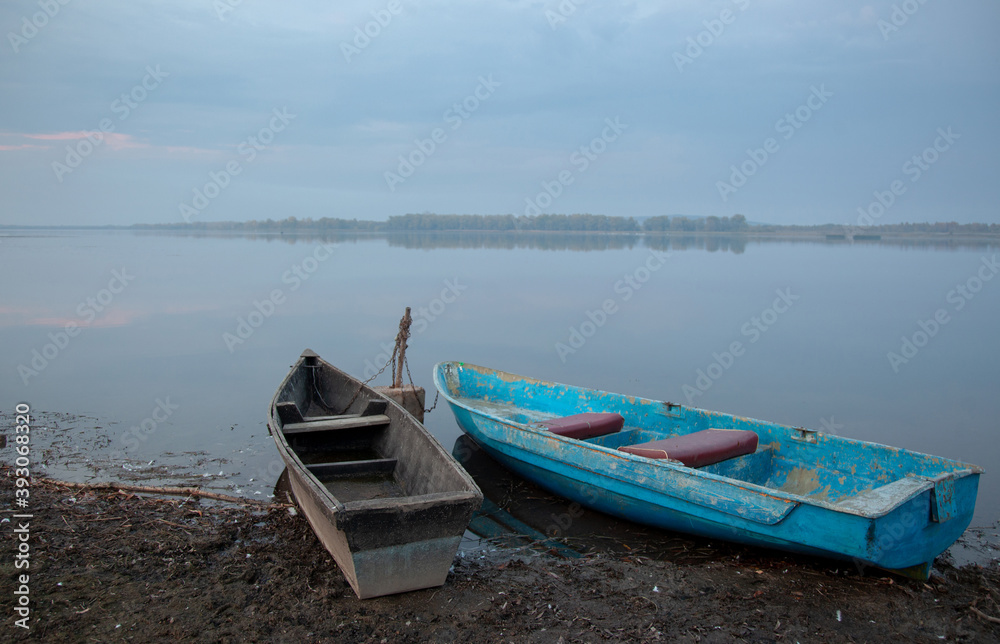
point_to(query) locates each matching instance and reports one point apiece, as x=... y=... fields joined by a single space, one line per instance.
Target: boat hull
x=380 y=493
x=890 y=527
x=397 y=565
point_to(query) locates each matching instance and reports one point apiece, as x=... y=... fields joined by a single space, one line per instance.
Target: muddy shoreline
x=121 y=566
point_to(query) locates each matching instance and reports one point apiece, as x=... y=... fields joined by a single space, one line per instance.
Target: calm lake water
x=180 y=341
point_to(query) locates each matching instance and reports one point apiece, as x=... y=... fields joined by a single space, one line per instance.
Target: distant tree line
x=949 y=227
x=734 y=224
x=579 y=222
x=423 y=222
x=556 y=223
x=290 y=224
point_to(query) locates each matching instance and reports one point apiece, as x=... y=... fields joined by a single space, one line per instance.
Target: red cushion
x=582 y=426
x=700 y=448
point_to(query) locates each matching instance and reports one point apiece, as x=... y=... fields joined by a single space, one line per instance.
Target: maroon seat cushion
x=700 y=448
x=582 y=426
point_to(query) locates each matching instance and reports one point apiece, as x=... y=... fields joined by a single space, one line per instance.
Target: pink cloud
x=114 y=140
x=109 y=318
x=15 y=316
x=58 y=136
x=118 y=141
x=41 y=316
x=24 y=146
x=14 y=310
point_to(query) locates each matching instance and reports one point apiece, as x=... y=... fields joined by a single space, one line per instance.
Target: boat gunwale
x=441 y=383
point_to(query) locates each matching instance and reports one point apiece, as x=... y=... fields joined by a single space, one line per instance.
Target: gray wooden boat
x=382 y=495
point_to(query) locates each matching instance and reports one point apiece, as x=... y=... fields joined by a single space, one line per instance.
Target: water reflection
x=519 y=514
x=510 y=241
x=736 y=244
x=589 y=241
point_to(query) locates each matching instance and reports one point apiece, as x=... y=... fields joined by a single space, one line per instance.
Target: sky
x=160 y=111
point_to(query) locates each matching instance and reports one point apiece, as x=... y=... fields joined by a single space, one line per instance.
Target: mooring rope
x=398 y=350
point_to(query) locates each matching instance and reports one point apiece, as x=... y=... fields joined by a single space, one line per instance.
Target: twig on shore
x=169 y=491
x=980 y=613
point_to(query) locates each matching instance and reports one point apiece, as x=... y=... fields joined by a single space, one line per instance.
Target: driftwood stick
x=150 y=489
x=983 y=615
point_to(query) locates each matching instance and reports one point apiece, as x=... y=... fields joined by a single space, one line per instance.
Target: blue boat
x=718 y=475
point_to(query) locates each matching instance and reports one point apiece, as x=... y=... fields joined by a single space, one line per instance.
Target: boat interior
x=347 y=453
x=358 y=445
x=797 y=461
x=756 y=466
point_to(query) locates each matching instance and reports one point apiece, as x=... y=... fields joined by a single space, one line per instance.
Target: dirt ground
x=114 y=566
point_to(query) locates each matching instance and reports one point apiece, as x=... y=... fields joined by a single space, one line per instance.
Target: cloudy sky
x=786 y=112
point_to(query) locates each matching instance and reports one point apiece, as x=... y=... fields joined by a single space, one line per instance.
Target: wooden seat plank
x=352 y=468
x=349 y=422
